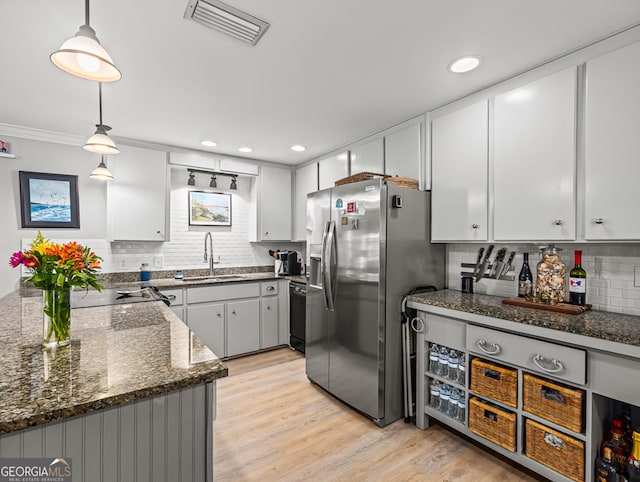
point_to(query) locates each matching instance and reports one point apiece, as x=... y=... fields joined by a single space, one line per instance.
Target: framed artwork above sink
x=209 y=208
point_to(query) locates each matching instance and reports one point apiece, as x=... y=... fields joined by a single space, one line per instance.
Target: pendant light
x=101 y=172
x=100 y=142
x=192 y=179
x=214 y=182
x=233 y=183
x=83 y=56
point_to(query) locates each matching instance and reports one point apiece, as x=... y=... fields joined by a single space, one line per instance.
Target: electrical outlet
x=636 y=276
x=122 y=264
x=158 y=261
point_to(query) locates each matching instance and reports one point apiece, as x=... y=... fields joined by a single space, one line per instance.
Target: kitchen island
x=541 y=388
x=132 y=396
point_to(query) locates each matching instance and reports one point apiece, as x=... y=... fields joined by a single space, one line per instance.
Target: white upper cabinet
x=274 y=214
x=368 y=157
x=459 y=174
x=332 y=168
x=612 y=145
x=535 y=159
x=306 y=182
x=402 y=152
x=138 y=198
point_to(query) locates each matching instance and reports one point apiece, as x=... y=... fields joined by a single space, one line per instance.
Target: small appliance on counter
x=287 y=263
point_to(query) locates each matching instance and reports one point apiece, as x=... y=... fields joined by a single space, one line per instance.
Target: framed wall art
x=209 y=208
x=49 y=200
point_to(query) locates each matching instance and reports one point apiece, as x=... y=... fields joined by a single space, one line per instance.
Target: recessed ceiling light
x=464 y=64
x=209 y=143
x=298 y=148
x=245 y=149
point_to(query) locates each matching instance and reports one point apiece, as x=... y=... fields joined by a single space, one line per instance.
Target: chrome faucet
x=208 y=255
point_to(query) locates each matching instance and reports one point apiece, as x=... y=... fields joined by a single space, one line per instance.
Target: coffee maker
x=287 y=263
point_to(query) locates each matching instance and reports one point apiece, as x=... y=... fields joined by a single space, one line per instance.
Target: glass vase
x=56 y=320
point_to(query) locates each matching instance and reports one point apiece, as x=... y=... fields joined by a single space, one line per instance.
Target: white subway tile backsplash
x=610 y=271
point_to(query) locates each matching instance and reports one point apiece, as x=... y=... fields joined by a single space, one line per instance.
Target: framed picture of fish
x=209 y=208
x=49 y=200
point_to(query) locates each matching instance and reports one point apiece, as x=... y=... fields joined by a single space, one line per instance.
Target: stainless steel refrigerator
x=368 y=244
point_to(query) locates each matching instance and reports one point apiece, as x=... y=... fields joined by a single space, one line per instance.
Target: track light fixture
x=214 y=178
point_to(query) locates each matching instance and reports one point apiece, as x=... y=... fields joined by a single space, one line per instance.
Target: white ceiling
x=325 y=74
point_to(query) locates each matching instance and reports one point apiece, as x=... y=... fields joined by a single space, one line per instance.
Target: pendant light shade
x=100 y=142
x=83 y=56
x=234 y=184
x=101 y=172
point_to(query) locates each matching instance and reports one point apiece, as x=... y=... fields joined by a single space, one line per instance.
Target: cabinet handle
x=496 y=348
x=270 y=288
x=475 y=226
x=598 y=221
x=233 y=312
x=266 y=233
x=219 y=315
x=539 y=359
x=558 y=222
x=268 y=307
x=418 y=325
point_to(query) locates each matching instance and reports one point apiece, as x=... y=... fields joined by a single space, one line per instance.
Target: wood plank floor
x=273 y=424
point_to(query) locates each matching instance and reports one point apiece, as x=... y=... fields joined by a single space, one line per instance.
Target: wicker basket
x=494 y=381
x=556 y=450
x=361 y=176
x=493 y=423
x=557 y=403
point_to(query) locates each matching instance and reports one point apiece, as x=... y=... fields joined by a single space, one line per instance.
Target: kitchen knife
x=507 y=265
x=478 y=262
x=485 y=263
x=498 y=263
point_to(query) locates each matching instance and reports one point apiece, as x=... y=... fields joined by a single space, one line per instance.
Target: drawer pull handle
x=495 y=347
x=539 y=359
x=551 y=394
x=553 y=440
x=493 y=374
x=491 y=415
x=270 y=288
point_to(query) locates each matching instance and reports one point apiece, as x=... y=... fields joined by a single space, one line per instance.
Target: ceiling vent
x=226 y=19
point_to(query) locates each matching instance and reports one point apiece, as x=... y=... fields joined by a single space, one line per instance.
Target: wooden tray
x=361 y=176
x=565 y=308
x=405 y=182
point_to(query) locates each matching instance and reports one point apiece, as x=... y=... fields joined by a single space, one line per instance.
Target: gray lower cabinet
x=207 y=320
x=243 y=327
x=269 y=322
x=605 y=379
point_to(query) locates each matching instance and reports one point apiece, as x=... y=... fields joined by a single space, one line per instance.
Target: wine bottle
x=607 y=470
x=525 y=279
x=578 y=282
x=633 y=466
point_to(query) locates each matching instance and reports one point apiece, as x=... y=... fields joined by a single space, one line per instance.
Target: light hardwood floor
x=274 y=425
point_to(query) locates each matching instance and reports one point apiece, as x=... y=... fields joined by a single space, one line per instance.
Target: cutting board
x=565 y=308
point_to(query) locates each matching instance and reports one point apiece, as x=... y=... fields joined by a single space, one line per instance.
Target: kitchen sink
x=224 y=277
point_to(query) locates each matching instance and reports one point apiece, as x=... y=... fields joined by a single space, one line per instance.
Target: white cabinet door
x=269 y=321
x=306 y=182
x=459 y=175
x=275 y=204
x=332 y=168
x=138 y=198
x=402 y=152
x=207 y=321
x=612 y=144
x=368 y=157
x=534 y=160
x=243 y=327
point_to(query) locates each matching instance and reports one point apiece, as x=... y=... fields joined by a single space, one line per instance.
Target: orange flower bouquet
x=55 y=268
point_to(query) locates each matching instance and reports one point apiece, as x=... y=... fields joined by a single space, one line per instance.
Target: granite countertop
x=600 y=325
x=118 y=354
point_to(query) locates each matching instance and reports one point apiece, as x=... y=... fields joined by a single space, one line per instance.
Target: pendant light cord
x=86 y=12
x=100 y=99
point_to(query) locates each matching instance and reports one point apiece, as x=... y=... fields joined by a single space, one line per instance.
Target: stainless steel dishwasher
x=297 y=315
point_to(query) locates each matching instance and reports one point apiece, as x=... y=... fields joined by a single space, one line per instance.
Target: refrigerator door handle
x=329 y=257
x=323 y=264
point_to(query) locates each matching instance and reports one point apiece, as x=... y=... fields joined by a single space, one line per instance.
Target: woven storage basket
x=494 y=381
x=361 y=176
x=557 y=403
x=556 y=450
x=493 y=423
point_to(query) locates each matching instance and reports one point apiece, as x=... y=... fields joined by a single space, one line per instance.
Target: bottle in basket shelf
x=452 y=372
x=633 y=466
x=577 y=282
x=434 y=357
x=550 y=276
x=434 y=399
x=443 y=362
x=525 y=279
x=619 y=446
x=445 y=395
x=462 y=368
x=462 y=407
x=607 y=470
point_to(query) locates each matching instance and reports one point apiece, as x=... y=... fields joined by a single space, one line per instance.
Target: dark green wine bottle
x=578 y=282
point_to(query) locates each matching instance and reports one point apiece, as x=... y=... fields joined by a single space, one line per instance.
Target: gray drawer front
x=537 y=356
x=443 y=331
x=616 y=377
x=224 y=292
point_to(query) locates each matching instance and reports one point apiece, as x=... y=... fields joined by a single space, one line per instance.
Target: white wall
x=610 y=271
